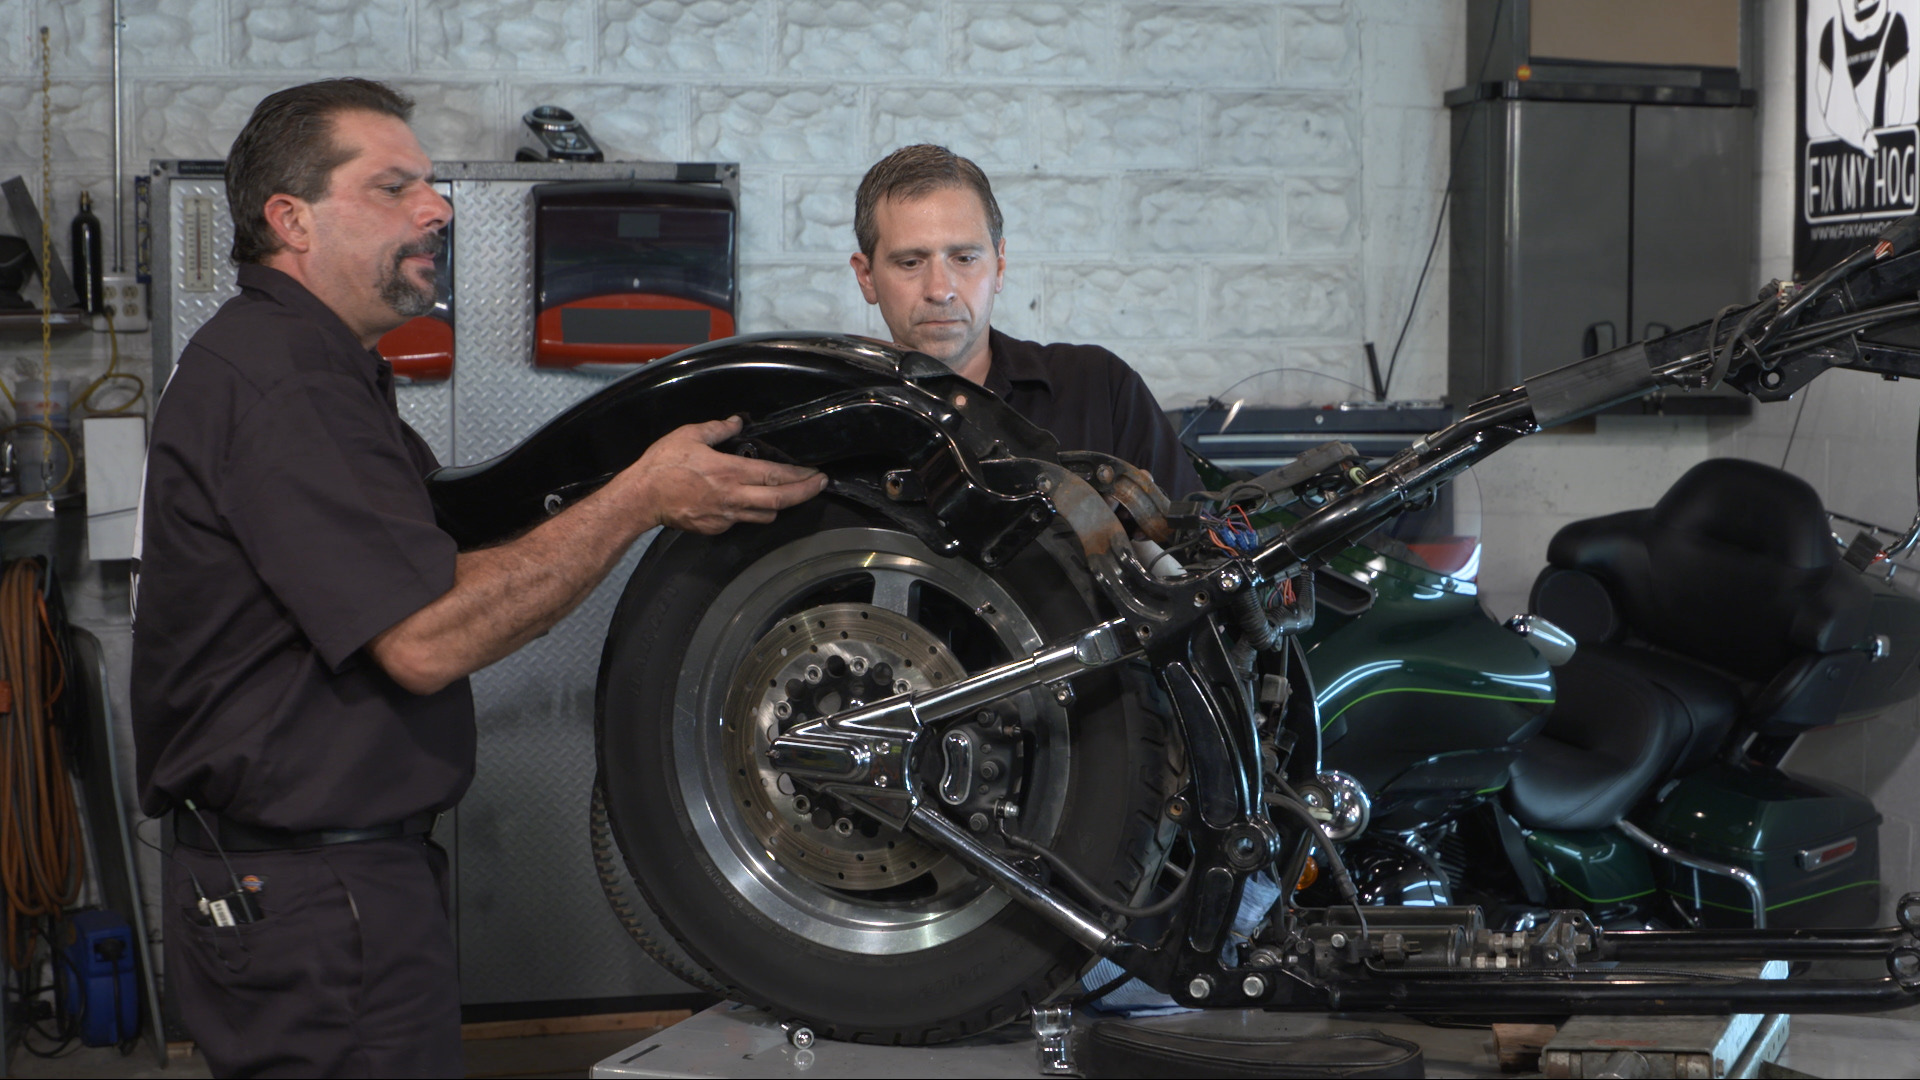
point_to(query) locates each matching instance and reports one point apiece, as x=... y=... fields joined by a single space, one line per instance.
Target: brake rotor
x=815 y=663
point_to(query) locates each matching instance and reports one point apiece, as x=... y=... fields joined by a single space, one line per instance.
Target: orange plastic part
x=420 y=350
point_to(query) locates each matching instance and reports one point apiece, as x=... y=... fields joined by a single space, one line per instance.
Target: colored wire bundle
x=1237 y=537
x=41 y=861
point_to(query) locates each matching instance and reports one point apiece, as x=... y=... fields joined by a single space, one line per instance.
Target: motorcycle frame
x=972 y=479
x=1233 y=836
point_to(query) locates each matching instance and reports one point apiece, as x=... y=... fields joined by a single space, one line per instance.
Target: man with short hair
x=304 y=630
x=933 y=258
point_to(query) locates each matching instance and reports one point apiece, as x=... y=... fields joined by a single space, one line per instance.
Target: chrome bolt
x=813 y=674
x=1338 y=941
x=1200 y=598
x=1229 y=581
x=800 y=1035
x=782 y=709
x=1201 y=988
x=802 y=804
x=857 y=665
x=901 y=686
x=1253 y=986
x=1063 y=694
x=843 y=826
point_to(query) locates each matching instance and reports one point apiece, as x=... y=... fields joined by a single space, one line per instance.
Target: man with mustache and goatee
x=304 y=630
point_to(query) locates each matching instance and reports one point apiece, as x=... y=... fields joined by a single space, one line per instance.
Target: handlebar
x=1767 y=349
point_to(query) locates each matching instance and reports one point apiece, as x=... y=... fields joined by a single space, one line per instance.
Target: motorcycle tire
x=738 y=875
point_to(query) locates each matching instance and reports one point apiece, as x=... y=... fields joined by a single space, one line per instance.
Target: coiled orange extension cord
x=41 y=862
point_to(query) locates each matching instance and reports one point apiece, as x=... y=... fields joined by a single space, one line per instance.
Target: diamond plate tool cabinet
x=532 y=923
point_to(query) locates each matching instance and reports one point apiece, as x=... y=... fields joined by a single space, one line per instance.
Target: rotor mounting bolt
x=782 y=709
x=1200 y=988
x=1253 y=986
x=843 y=826
x=857 y=665
x=813 y=674
x=901 y=686
x=802 y=804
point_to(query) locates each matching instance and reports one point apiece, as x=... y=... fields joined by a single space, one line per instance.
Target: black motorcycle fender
x=897 y=431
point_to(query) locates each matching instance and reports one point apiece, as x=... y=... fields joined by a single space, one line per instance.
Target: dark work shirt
x=284 y=523
x=1090 y=400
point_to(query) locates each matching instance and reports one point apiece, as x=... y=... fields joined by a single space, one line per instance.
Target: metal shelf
x=13 y=319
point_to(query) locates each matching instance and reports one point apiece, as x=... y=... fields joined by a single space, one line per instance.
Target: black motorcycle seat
x=1724 y=605
x=1735 y=568
x=1622 y=719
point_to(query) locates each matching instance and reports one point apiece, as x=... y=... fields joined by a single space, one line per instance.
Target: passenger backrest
x=1734 y=567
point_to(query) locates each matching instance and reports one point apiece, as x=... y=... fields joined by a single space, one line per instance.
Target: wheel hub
x=815 y=663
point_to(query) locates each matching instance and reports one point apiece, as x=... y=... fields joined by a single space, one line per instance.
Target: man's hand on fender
x=686 y=484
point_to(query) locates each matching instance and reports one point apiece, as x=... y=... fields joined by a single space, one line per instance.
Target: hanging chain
x=46 y=261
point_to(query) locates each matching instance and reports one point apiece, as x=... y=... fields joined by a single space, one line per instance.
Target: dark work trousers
x=350 y=970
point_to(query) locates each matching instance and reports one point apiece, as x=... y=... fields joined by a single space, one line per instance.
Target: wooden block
x=179 y=1051
x=574 y=1025
x=1518 y=1045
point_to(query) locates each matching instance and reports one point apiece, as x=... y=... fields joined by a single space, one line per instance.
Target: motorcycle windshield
x=1442 y=538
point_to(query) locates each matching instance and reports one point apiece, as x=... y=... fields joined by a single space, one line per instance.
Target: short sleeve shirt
x=285 y=522
x=1090 y=400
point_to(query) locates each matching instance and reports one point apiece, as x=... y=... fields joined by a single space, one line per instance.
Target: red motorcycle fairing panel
x=624 y=328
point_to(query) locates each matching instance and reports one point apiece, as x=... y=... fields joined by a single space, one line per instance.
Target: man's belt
x=224 y=834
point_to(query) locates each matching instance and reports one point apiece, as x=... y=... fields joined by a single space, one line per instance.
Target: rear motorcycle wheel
x=778 y=894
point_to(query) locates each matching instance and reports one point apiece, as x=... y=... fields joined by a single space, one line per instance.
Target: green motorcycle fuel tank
x=1425 y=700
x=1422 y=697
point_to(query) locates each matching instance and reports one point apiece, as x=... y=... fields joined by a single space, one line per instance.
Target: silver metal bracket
x=1053 y=1039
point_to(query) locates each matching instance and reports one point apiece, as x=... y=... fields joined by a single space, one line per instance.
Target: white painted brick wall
x=1210 y=188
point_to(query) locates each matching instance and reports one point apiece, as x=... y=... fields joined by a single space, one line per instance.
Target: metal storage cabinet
x=1582 y=225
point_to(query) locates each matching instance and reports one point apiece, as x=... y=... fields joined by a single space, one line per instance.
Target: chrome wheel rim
x=737 y=818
